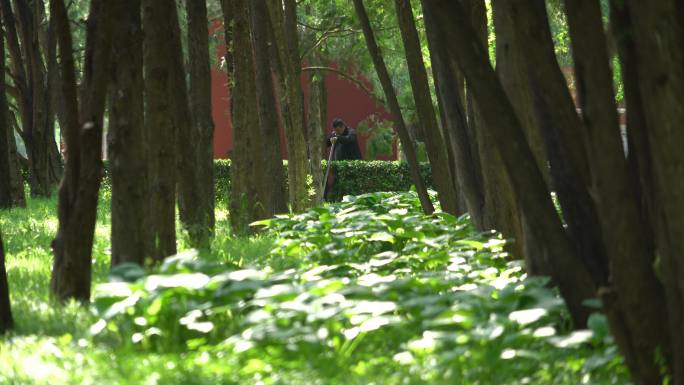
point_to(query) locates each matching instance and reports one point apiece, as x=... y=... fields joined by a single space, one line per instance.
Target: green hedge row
x=353 y=177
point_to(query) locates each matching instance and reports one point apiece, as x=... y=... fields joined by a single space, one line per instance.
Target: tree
x=504 y=128
x=165 y=111
x=78 y=192
x=196 y=184
x=33 y=93
x=284 y=24
x=128 y=144
x=445 y=182
x=11 y=182
x=390 y=95
x=6 y=321
x=271 y=183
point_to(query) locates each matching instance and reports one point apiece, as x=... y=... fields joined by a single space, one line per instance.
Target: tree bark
x=316 y=123
x=284 y=24
x=247 y=153
x=6 y=322
x=128 y=144
x=444 y=181
x=407 y=144
x=639 y=293
x=563 y=135
x=659 y=38
x=451 y=105
x=11 y=182
x=196 y=193
x=508 y=138
x=78 y=193
x=39 y=128
x=500 y=211
x=272 y=181
x=161 y=55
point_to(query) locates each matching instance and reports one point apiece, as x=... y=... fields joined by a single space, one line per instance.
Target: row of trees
x=500 y=140
x=619 y=238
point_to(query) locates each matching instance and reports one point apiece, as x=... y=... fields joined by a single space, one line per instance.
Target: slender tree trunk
x=659 y=38
x=128 y=144
x=197 y=198
x=6 y=321
x=406 y=142
x=451 y=105
x=445 y=182
x=639 y=293
x=271 y=182
x=316 y=137
x=508 y=138
x=161 y=54
x=78 y=193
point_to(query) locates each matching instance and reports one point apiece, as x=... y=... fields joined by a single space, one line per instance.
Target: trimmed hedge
x=353 y=177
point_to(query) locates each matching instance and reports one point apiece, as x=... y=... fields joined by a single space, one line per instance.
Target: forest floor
x=367 y=291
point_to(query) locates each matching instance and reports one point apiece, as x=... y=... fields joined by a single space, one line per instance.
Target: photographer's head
x=338 y=126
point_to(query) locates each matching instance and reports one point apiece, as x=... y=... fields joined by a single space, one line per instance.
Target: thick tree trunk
x=562 y=133
x=271 y=179
x=659 y=38
x=451 y=105
x=11 y=183
x=406 y=143
x=315 y=124
x=639 y=293
x=500 y=211
x=6 y=321
x=128 y=144
x=78 y=193
x=161 y=47
x=444 y=181
x=508 y=138
x=196 y=194
x=247 y=154
x=284 y=23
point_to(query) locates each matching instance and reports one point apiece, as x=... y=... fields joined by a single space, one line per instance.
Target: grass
x=55 y=344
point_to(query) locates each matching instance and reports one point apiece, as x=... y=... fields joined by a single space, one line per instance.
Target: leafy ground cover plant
x=366 y=291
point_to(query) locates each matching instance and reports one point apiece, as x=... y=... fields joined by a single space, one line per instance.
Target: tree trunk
x=391 y=97
x=451 y=105
x=284 y=23
x=128 y=144
x=500 y=211
x=508 y=137
x=196 y=193
x=562 y=133
x=316 y=137
x=78 y=193
x=11 y=183
x=39 y=129
x=247 y=154
x=271 y=182
x=161 y=54
x=639 y=293
x=6 y=321
x=445 y=182
x=659 y=38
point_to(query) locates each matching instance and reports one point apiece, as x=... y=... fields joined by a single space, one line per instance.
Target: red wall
x=345 y=100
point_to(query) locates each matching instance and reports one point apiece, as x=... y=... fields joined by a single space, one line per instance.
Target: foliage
x=360 y=177
x=369 y=290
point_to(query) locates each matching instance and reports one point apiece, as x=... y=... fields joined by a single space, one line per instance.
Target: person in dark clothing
x=344 y=142
x=345 y=146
